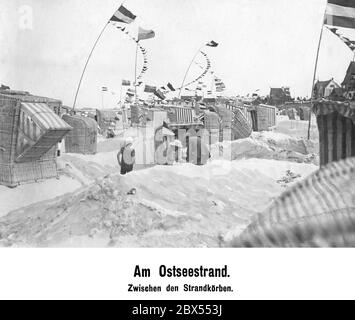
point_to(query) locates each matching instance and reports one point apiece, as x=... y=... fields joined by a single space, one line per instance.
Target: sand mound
x=180 y=206
x=269 y=145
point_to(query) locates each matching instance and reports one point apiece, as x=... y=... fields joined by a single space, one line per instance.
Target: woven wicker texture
x=318 y=212
x=235 y=121
x=39 y=162
x=83 y=138
x=241 y=127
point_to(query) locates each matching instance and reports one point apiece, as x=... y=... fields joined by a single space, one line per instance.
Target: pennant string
x=145 y=66
x=205 y=72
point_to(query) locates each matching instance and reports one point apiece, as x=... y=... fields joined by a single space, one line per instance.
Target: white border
x=105 y=274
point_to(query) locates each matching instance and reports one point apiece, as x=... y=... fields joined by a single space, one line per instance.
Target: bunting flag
x=212 y=44
x=205 y=72
x=123 y=15
x=145 y=62
x=145 y=34
x=159 y=94
x=142 y=49
x=126 y=83
x=350 y=43
x=206 y=69
x=199 y=65
x=171 y=87
x=340 y=13
x=150 y=89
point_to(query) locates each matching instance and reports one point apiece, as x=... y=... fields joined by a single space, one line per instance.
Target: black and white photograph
x=177 y=124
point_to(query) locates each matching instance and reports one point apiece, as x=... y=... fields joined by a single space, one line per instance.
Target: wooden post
x=314 y=76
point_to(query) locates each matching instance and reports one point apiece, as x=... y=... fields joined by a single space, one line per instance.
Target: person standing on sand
x=127 y=157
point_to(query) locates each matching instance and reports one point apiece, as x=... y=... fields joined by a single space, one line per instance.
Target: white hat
x=129 y=141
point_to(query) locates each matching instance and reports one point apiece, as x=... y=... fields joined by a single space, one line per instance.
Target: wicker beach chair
x=318 y=212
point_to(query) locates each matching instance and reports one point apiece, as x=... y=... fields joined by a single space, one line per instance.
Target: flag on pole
x=123 y=15
x=212 y=44
x=145 y=34
x=340 y=13
x=126 y=83
x=347 y=41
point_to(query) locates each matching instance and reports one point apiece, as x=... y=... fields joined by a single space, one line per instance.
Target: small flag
x=212 y=44
x=104 y=89
x=145 y=34
x=347 y=41
x=123 y=29
x=150 y=89
x=126 y=83
x=340 y=13
x=123 y=15
x=171 y=87
x=160 y=94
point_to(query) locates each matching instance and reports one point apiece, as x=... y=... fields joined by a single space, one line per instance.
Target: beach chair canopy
x=40 y=129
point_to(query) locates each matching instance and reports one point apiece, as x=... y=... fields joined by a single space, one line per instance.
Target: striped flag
x=341 y=13
x=126 y=83
x=150 y=89
x=123 y=15
x=145 y=34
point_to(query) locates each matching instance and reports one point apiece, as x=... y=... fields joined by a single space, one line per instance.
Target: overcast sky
x=263 y=43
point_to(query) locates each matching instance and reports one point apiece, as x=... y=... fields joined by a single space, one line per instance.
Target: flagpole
x=188 y=70
x=87 y=62
x=135 y=73
x=121 y=95
x=315 y=74
x=102 y=99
